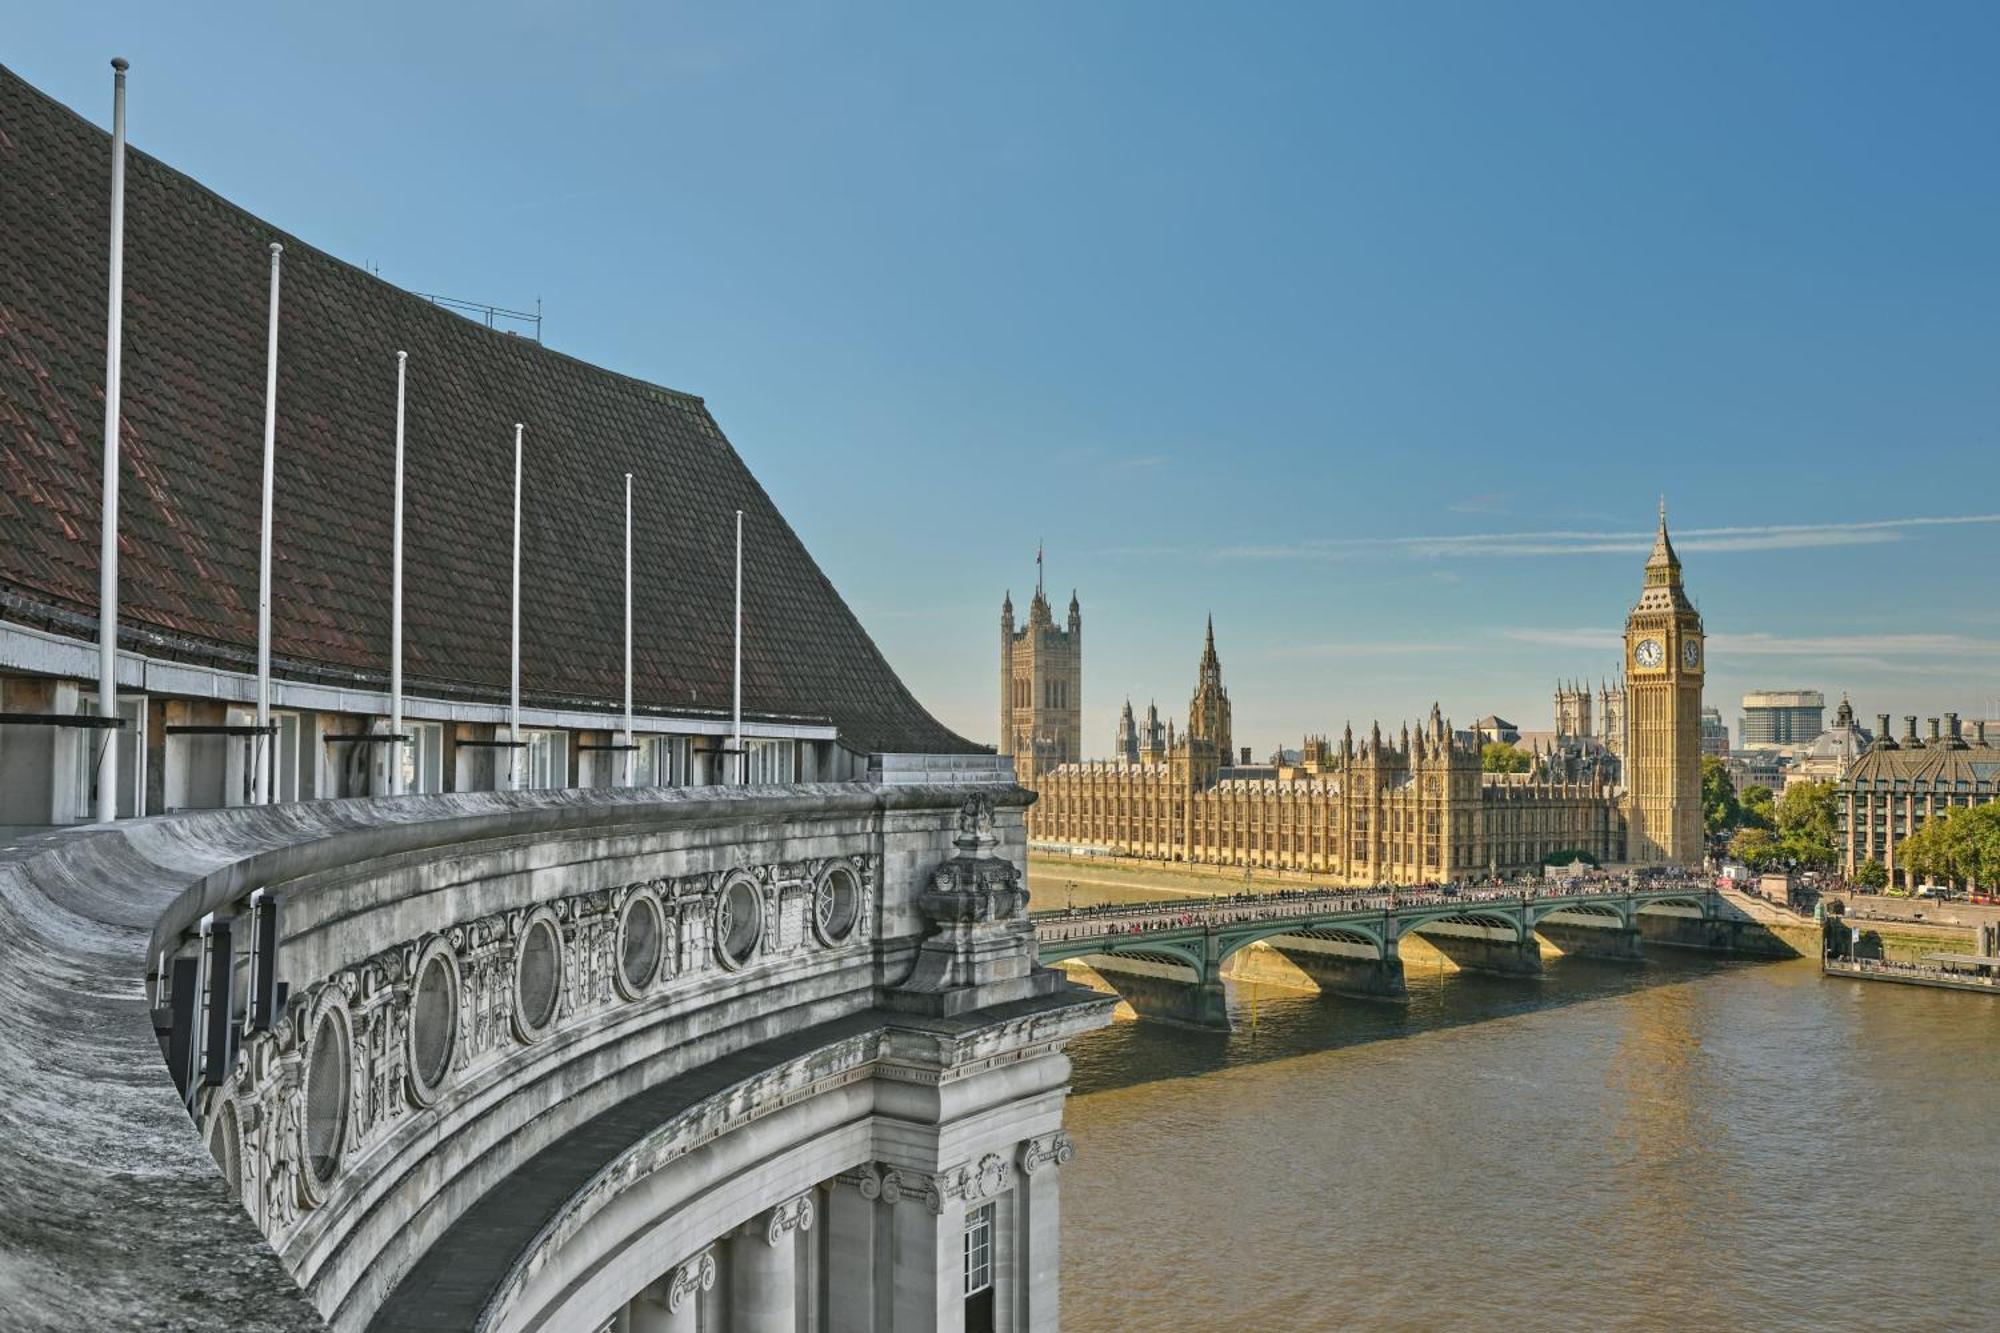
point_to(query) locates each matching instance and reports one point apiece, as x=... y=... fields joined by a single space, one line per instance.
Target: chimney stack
x=1883 y=736
x=1910 y=731
x=1933 y=724
x=1951 y=731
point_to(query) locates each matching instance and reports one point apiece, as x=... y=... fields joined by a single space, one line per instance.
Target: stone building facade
x=1414 y=806
x=1408 y=808
x=1900 y=783
x=1041 y=685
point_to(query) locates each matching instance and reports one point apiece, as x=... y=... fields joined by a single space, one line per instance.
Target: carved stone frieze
x=263 y=1110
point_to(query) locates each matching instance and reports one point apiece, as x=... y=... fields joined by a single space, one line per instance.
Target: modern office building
x=1772 y=719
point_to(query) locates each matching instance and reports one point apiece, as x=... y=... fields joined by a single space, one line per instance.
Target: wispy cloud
x=1137 y=462
x=1557 y=542
x=1487 y=502
x=1844 y=646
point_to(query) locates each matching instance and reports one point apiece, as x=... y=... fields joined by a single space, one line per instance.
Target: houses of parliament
x=1408 y=807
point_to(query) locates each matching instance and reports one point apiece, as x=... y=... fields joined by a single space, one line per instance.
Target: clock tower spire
x=1665 y=658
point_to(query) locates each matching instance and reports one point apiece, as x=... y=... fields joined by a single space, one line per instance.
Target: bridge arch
x=1467 y=916
x=1702 y=905
x=1170 y=952
x=1615 y=909
x=1344 y=931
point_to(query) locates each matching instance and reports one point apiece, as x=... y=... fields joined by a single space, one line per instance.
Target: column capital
x=969 y=1181
x=796 y=1214
x=696 y=1275
x=1055 y=1149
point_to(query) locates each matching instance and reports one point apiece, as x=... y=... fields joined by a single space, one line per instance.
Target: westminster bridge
x=1166 y=960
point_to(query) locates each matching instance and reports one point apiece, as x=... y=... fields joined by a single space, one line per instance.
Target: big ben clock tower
x=1664 y=660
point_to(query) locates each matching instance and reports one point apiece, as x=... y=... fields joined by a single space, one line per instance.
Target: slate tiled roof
x=195 y=310
x=1928 y=767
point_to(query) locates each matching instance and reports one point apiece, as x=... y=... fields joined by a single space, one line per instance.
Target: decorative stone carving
x=975 y=885
x=740 y=914
x=694 y=1276
x=792 y=1215
x=893 y=1184
x=1050 y=1150
x=352 y=1059
x=838 y=899
x=981 y=949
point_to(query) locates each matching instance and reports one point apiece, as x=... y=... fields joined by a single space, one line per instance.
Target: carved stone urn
x=981 y=946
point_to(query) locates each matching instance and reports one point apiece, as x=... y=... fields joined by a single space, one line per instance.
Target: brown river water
x=1692 y=1142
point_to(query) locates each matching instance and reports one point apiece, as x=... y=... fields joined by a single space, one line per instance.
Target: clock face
x=1690 y=654
x=1648 y=653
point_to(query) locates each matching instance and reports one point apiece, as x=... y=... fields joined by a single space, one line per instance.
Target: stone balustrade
x=538 y=1060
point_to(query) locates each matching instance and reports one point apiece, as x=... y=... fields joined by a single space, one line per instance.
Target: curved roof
x=197 y=284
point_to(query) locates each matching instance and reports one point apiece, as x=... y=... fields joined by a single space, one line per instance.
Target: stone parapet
x=469 y=980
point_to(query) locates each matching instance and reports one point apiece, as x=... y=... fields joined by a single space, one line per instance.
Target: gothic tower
x=1041 y=685
x=1573 y=710
x=1208 y=711
x=1125 y=749
x=1152 y=737
x=1611 y=717
x=1664 y=662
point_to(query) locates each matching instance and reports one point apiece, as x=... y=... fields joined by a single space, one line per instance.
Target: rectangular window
x=545 y=760
x=767 y=761
x=979 y=1232
x=662 y=761
x=979 y=1250
x=131 y=743
x=286 y=778
x=423 y=758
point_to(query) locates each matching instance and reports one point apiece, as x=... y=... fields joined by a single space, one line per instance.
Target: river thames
x=1688 y=1142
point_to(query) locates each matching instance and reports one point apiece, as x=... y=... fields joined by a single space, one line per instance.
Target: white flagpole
x=107 y=554
x=396 y=750
x=514 y=679
x=736 y=712
x=261 y=780
x=629 y=754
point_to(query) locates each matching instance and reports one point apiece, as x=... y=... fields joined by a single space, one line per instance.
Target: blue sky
x=1377 y=329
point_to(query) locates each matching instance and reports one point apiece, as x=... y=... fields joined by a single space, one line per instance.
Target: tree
x=1569 y=855
x=1757 y=848
x=1720 y=812
x=1961 y=846
x=1758 y=810
x=1871 y=874
x=1500 y=757
x=1807 y=823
